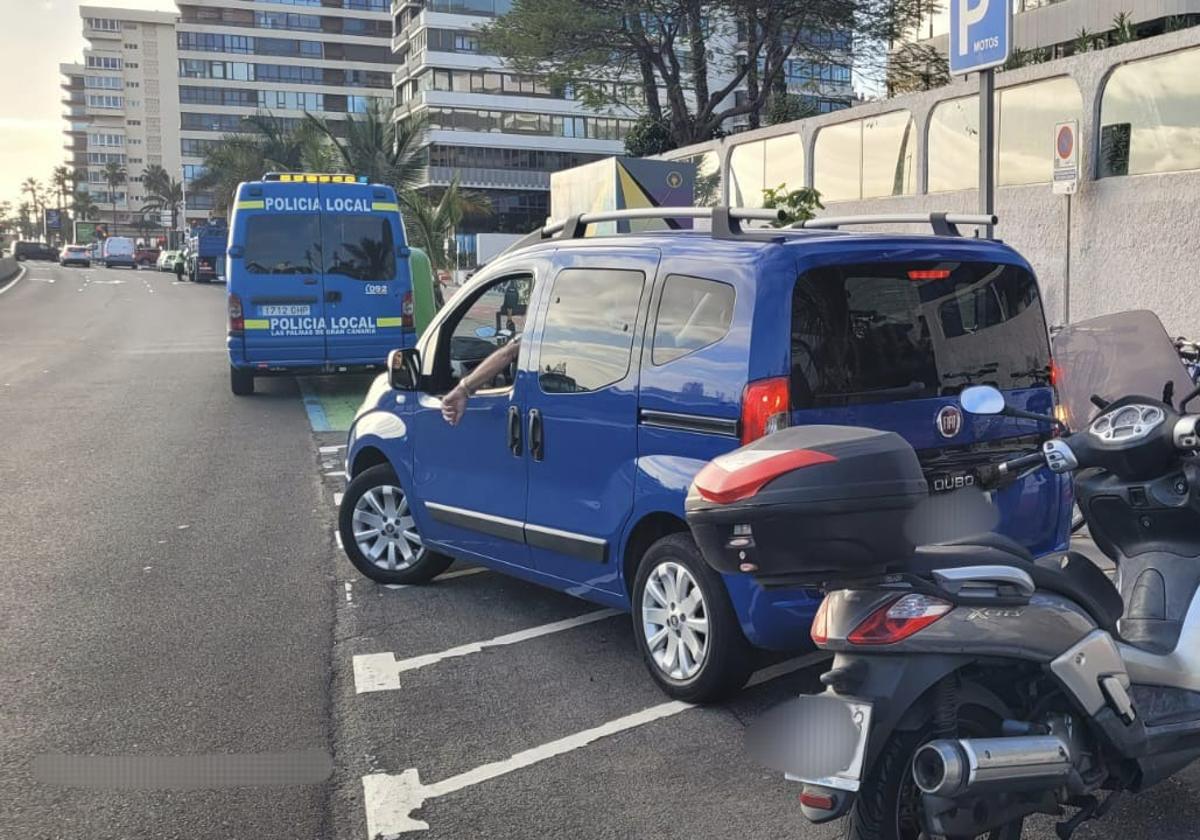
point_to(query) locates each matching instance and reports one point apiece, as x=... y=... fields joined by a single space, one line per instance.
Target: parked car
x=167 y=259
x=30 y=250
x=75 y=255
x=645 y=356
x=145 y=257
x=118 y=250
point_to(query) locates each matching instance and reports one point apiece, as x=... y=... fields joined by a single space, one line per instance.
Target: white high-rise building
x=122 y=105
x=283 y=57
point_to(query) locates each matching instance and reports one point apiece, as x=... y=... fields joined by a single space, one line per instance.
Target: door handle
x=310 y=281
x=536 y=442
x=333 y=297
x=514 y=430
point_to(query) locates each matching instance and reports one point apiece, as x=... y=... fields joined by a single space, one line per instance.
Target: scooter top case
x=808 y=503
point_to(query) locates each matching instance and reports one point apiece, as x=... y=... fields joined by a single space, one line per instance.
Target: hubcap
x=384 y=529
x=675 y=621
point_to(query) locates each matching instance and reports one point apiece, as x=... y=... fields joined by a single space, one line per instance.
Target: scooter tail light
x=820 y=625
x=899 y=619
x=237 y=322
x=406 y=311
x=765 y=407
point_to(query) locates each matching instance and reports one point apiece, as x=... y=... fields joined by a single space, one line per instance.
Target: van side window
x=490 y=321
x=693 y=313
x=283 y=243
x=587 y=341
x=360 y=247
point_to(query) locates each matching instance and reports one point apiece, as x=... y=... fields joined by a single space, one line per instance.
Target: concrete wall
x=8 y=269
x=1134 y=240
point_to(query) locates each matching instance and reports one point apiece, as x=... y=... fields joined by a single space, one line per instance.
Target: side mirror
x=404 y=369
x=237 y=252
x=982 y=399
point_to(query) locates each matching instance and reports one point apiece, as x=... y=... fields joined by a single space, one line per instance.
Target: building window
x=104 y=62
x=96 y=100
x=104 y=24
x=1150 y=116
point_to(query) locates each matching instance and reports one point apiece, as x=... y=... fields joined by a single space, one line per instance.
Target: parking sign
x=1066 y=157
x=980 y=34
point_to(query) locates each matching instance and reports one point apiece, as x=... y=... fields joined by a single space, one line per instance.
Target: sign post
x=980 y=41
x=1066 y=182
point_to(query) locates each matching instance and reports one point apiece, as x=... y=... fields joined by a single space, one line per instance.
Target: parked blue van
x=317 y=277
x=642 y=357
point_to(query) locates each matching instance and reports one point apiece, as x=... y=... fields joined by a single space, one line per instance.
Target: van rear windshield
x=889 y=331
x=283 y=244
x=357 y=246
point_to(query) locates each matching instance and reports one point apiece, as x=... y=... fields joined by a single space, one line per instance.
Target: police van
x=318 y=277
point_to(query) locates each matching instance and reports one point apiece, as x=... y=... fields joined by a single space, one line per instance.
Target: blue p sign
x=979 y=34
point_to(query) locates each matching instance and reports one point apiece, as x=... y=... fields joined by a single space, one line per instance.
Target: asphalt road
x=170 y=586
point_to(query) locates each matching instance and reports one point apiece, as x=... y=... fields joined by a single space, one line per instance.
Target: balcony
x=92 y=33
x=501 y=179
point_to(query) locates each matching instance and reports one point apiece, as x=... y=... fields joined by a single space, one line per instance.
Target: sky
x=35 y=37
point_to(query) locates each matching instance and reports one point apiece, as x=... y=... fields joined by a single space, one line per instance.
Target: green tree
x=232 y=159
x=163 y=193
x=914 y=67
x=1123 y=29
x=797 y=205
x=375 y=144
x=114 y=176
x=25 y=216
x=431 y=223
x=789 y=107
x=649 y=136
x=82 y=206
x=33 y=188
x=670 y=47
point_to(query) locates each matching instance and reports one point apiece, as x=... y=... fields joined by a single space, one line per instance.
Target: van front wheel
x=686 y=629
x=241 y=382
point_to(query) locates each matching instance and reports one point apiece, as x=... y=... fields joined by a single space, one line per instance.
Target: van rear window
x=358 y=246
x=283 y=244
x=872 y=333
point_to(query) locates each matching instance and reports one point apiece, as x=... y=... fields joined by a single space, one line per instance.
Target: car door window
x=490 y=321
x=587 y=341
x=693 y=313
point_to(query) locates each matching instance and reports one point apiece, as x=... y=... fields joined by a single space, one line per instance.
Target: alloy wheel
x=675 y=621
x=384 y=529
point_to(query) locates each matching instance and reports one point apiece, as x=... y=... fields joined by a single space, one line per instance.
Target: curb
x=16 y=279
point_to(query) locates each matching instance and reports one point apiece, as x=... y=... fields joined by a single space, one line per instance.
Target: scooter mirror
x=982 y=399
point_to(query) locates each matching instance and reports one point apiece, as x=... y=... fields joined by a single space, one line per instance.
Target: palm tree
x=431 y=223
x=37 y=199
x=25 y=220
x=63 y=181
x=162 y=193
x=376 y=145
x=235 y=158
x=82 y=206
x=114 y=176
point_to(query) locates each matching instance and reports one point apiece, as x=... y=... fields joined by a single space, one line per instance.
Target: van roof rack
x=943 y=224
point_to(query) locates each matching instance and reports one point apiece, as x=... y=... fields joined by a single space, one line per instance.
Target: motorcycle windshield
x=1115 y=356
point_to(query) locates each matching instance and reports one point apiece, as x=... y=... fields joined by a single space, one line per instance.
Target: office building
x=122 y=105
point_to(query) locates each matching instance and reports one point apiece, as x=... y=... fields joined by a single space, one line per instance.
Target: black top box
x=808 y=504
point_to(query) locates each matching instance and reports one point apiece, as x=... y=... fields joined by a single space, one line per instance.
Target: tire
x=725 y=658
x=876 y=814
x=372 y=499
x=241 y=382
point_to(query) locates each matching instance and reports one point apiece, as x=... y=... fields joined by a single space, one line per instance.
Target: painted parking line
x=337 y=499
x=331 y=450
x=390 y=799
x=381 y=671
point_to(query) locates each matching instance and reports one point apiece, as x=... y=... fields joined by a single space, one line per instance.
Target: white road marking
x=381 y=671
x=109 y=282
x=390 y=799
x=460 y=573
x=43 y=279
x=337 y=499
x=349 y=594
x=20 y=276
x=337 y=536
x=328 y=449
x=333 y=473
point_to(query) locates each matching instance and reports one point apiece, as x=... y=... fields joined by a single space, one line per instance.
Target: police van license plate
x=284 y=310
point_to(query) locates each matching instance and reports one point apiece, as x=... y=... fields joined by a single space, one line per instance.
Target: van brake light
x=406 y=311
x=765 y=407
x=237 y=323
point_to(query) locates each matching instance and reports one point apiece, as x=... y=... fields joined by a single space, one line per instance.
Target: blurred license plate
x=284 y=310
x=829 y=741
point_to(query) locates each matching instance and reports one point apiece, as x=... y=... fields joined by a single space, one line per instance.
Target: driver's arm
x=455 y=402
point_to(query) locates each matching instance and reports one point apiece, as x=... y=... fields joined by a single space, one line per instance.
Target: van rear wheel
x=686 y=629
x=241 y=382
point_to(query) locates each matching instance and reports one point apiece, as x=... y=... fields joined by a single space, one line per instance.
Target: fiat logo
x=949 y=421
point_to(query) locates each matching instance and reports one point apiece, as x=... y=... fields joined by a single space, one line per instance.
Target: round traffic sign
x=1066 y=142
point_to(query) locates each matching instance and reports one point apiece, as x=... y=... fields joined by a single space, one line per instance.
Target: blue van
x=642 y=357
x=317 y=277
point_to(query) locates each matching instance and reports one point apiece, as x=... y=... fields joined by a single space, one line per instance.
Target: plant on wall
x=797 y=205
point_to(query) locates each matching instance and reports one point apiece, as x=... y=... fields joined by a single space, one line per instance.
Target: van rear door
x=278 y=275
x=367 y=284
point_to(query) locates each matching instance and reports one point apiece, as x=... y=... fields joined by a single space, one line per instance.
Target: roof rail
x=943 y=224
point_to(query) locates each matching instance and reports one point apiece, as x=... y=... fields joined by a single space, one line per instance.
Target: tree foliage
x=430 y=221
x=690 y=56
x=798 y=205
x=649 y=137
x=163 y=193
x=386 y=150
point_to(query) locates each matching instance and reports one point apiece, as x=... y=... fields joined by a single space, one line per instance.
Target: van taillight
x=406 y=311
x=236 y=321
x=765 y=407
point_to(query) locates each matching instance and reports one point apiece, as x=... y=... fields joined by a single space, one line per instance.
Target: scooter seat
x=1069 y=573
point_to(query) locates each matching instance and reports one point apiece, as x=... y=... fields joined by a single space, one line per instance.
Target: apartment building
x=236 y=58
x=122 y=105
x=1054 y=26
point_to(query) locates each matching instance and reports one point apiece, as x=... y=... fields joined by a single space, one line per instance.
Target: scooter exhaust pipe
x=954 y=768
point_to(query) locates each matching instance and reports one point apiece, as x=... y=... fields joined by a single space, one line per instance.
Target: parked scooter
x=972 y=685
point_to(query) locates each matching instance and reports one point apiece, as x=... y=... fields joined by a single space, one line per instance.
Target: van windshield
x=285 y=243
x=896 y=331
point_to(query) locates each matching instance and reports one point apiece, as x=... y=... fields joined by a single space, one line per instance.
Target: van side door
x=581 y=412
x=367 y=283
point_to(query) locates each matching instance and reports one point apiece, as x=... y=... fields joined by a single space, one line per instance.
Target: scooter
x=973 y=685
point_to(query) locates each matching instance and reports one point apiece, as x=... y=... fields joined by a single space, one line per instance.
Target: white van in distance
x=117 y=250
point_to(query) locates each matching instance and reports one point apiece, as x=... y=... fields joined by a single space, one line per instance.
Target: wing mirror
x=404 y=369
x=982 y=399
x=237 y=252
